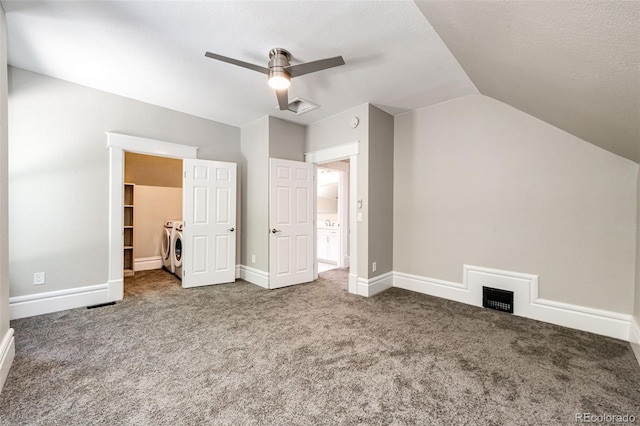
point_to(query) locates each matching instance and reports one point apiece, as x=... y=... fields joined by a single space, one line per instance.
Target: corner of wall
x=634 y=335
x=7 y=344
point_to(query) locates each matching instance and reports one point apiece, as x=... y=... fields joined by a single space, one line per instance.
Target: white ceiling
x=573 y=64
x=154 y=52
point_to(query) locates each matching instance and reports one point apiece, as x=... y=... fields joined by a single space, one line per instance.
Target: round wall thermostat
x=354 y=122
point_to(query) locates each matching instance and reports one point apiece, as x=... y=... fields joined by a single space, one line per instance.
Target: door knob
x=231 y=229
x=274 y=230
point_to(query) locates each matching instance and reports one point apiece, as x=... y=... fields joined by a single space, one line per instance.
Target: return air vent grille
x=500 y=300
x=300 y=106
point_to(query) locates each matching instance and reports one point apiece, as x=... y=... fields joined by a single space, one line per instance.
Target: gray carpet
x=308 y=354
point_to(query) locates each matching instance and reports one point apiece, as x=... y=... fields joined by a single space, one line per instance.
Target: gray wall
x=255 y=194
x=266 y=138
x=375 y=178
x=334 y=131
x=286 y=140
x=478 y=182
x=380 y=191
x=59 y=173
x=4 y=208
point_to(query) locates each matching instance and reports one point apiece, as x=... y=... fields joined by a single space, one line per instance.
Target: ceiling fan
x=280 y=72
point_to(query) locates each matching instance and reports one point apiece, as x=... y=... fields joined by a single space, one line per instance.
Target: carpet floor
x=304 y=355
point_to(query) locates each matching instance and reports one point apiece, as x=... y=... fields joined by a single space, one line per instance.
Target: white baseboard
x=527 y=302
x=116 y=290
x=254 y=276
x=147 y=263
x=238 y=271
x=373 y=286
x=61 y=300
x=438 y=288
x=353 y=283
x=7 y=353
x=634 y=338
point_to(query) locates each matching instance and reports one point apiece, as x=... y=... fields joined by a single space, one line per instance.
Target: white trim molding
x=333 y=153
x=118 y=143
x=59 y=300
x=634 y=338
x=144 y=145
x=254 y=276
x=147 y=263
x=527 y=302
x=7 y=354
x=337 y=153
x=438 y=288
x=375 y=285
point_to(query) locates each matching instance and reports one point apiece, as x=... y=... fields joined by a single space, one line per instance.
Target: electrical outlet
x=374 y=266
x=253 y=258
x=38 y=278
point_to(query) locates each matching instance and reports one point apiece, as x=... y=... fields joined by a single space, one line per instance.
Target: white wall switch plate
x=374 y=266
x=253 y=258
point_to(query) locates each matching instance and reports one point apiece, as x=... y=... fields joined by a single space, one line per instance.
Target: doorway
x=349 y=152
x=153 y=209
x=332 y=216
x=119 y=143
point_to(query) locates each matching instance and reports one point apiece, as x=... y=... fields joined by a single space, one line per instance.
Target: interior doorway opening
x=349 y=152
x=332 y=216
x=118 y=144
x=153 y=193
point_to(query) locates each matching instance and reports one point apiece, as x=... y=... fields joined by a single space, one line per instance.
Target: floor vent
x=101 y=305
x=500 y=300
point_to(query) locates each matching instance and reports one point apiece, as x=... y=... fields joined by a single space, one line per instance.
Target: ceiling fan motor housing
x=278 y=59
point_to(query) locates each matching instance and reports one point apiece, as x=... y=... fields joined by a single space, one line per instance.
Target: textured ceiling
x=575 y=65
x=154 y=52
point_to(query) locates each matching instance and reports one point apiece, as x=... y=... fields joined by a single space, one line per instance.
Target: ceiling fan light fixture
x=279 y=80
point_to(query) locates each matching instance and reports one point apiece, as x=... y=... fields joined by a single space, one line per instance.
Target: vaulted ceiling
x=154 y=52
x=573 y=64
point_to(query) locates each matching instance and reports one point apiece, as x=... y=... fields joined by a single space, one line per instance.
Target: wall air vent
x=300 y=106
x=500 y=300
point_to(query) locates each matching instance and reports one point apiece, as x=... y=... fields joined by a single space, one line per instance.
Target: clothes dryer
x=167 y=230
x=176 y=250
x=168 y=234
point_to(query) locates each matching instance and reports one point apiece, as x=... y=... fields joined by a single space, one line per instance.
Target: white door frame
x=119 y=143
x=337 y=153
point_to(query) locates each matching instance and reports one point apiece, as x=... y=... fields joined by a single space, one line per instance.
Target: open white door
x=291 y=211
x=209 y=215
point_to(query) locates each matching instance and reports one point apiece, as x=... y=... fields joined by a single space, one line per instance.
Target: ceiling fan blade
x=237 y=62
x=283 y=99
x=309 y=67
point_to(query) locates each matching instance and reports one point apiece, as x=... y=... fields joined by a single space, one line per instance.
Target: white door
x=209 y=215
x=291 y=224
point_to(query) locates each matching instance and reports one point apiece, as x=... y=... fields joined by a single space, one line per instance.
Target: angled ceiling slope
x=573 y=64
x=394 y=59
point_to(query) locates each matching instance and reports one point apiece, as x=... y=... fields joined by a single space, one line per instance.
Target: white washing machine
x=168 y=234
x=176 y=250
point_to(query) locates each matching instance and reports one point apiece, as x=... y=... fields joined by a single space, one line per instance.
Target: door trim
x=118 y=143
x=336 y=153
